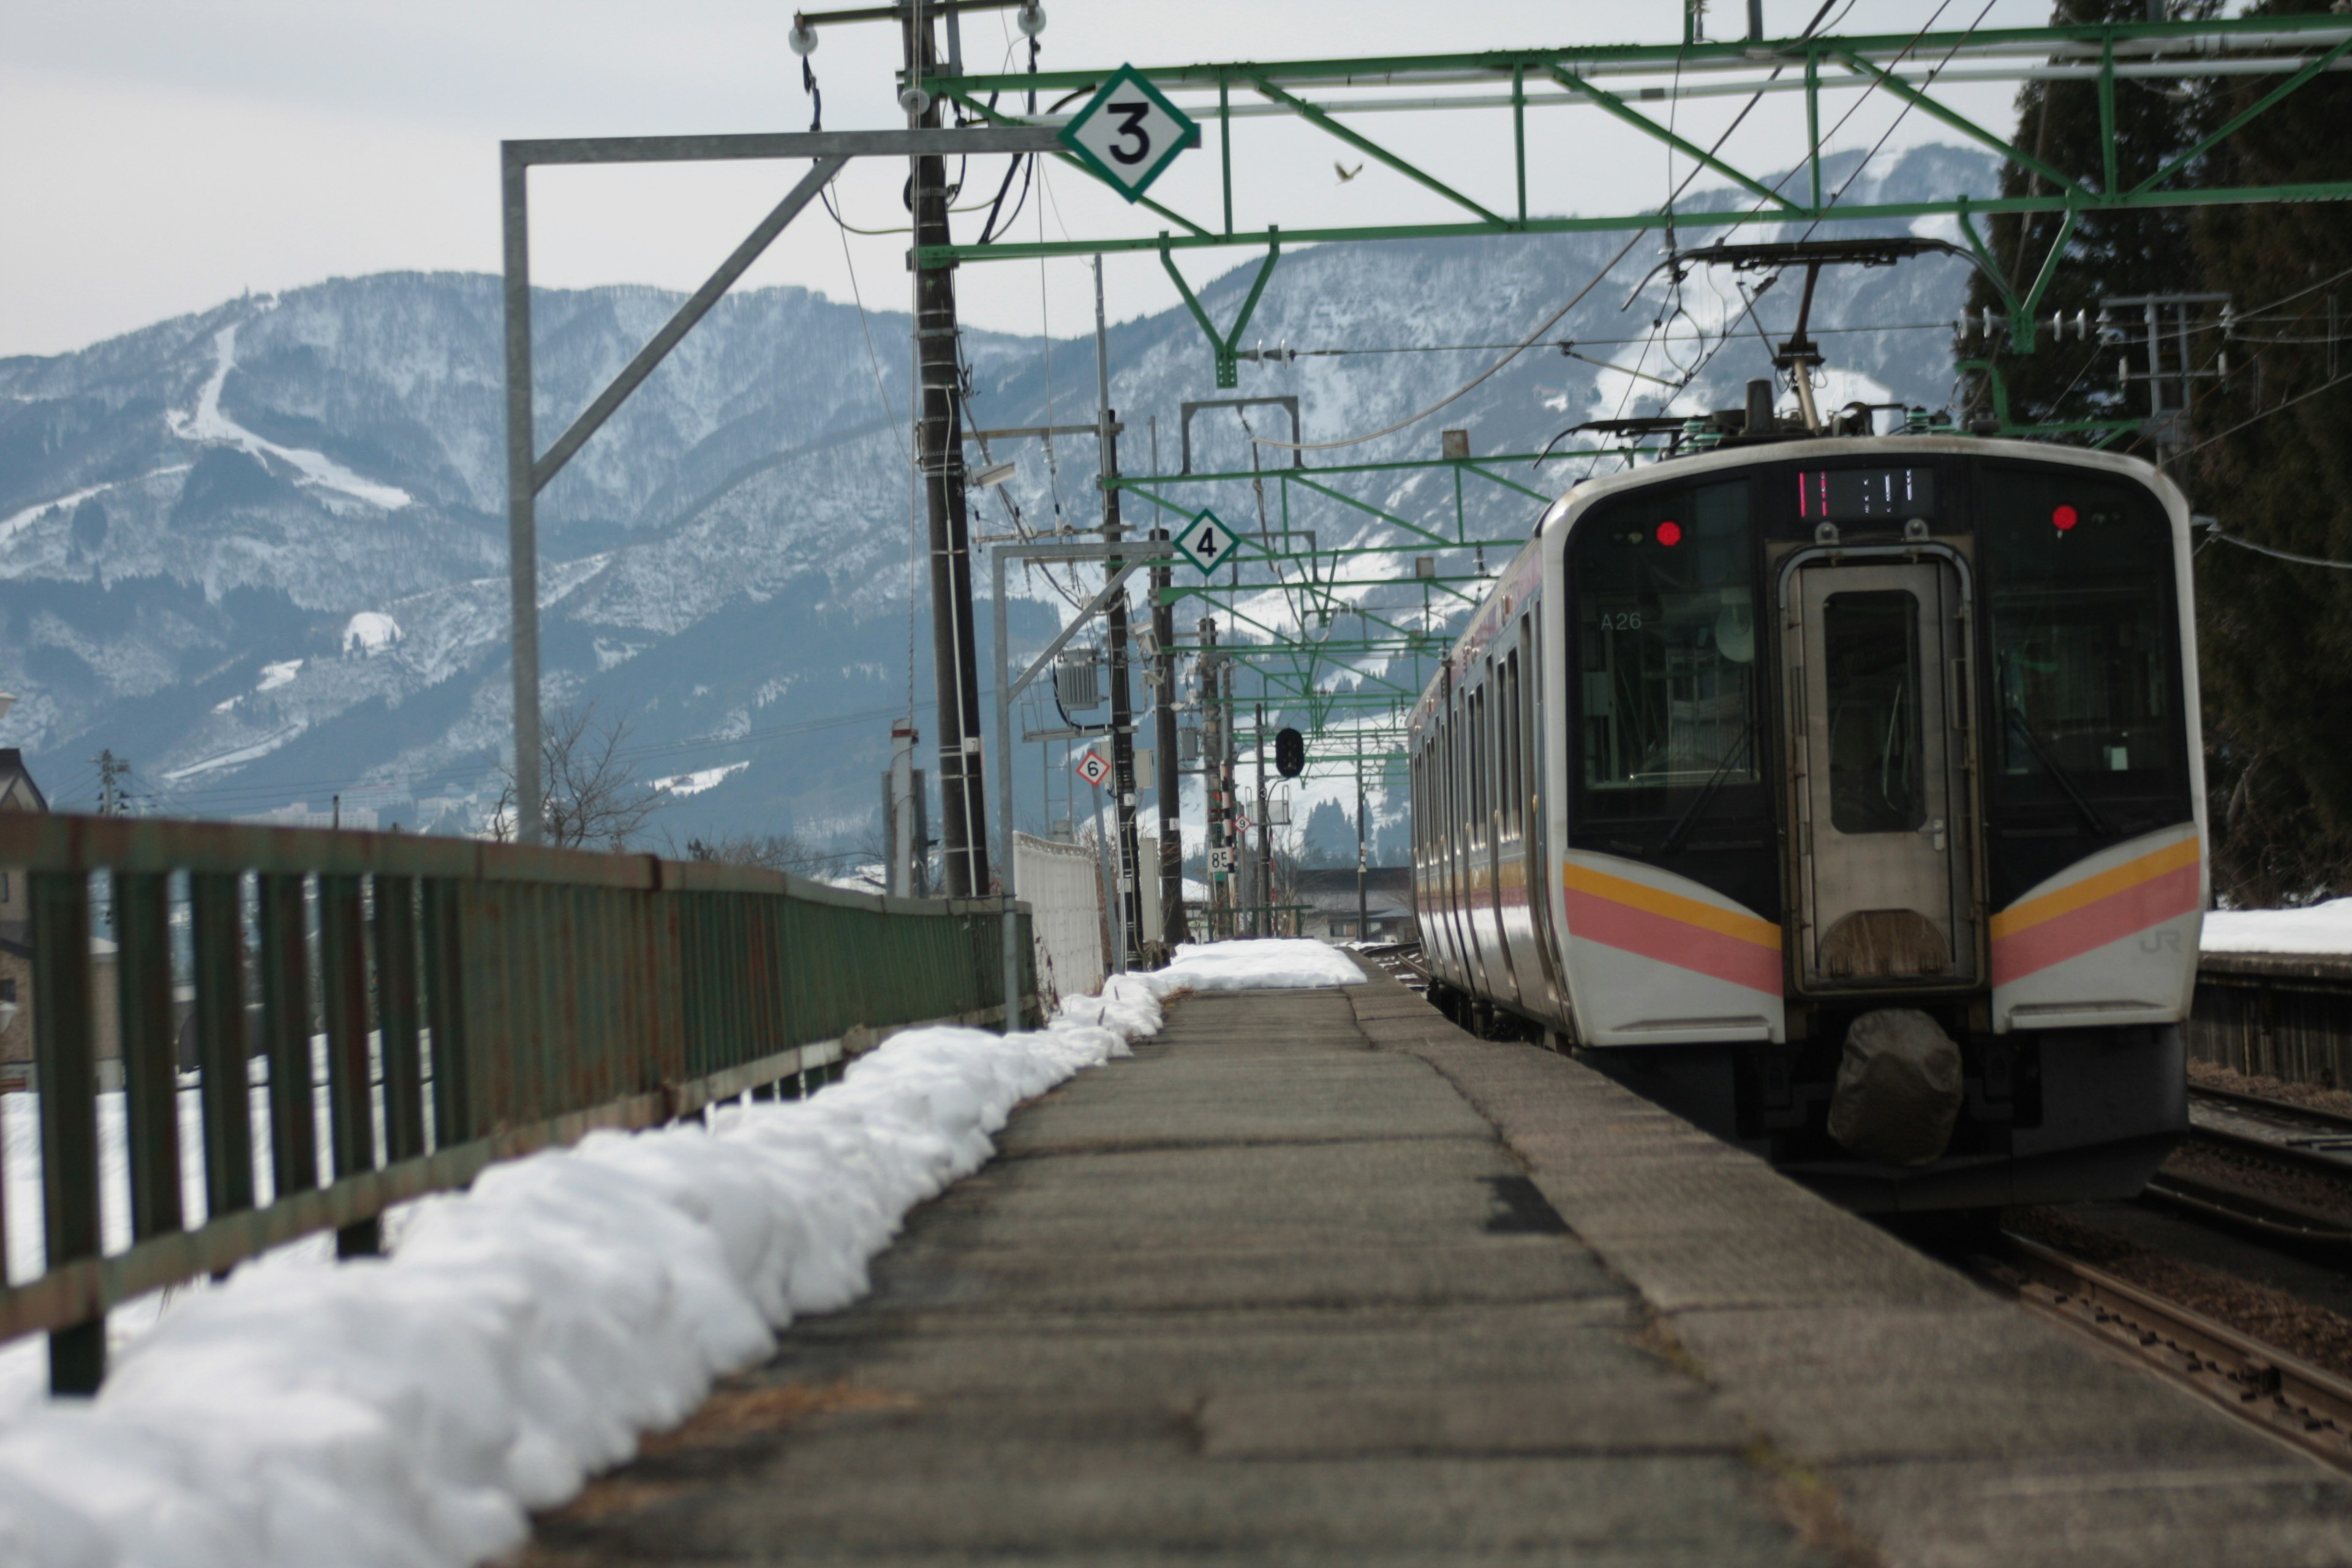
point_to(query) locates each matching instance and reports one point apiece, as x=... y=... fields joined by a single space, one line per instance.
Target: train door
x=1878 y=712
x=1496 y=716
x=1535 y=856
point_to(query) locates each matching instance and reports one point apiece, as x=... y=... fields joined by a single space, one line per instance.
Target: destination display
x=1866 y=495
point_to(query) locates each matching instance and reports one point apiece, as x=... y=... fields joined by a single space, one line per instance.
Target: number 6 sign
x=1128 y=133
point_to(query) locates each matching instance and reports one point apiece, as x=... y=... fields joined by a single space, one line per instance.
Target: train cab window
x=1663 y=600
x=2083 y=645
x=1870 y=650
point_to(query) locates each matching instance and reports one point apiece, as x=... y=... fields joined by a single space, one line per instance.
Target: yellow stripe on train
x=1672 y=906
x=2091 y=889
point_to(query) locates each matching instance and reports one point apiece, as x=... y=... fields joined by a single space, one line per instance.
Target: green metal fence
x=475 y=1001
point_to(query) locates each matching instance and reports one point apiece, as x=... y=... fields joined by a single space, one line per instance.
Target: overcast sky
x=162 y=156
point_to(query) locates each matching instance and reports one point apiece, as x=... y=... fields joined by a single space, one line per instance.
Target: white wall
x=1062 y=885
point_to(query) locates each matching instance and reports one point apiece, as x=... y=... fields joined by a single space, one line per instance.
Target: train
x=1845 y=794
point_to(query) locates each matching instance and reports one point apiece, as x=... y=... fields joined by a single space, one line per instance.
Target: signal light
x=1670 y=534
x=2064 y=518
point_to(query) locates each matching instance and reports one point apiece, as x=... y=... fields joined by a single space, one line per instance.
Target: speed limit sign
x=1092 y=768
x=1128 y=133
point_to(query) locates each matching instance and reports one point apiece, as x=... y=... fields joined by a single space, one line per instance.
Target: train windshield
x=2082 y=686
x=1666 y=639
x=1869 y=648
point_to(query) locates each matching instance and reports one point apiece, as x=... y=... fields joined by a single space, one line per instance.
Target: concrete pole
x=1167 y=764
x=1264 y=838
x=1363 y=901
x=1213 y=784
x=1130 y=906
x=1230 y=766
x=522 y=503
x=938 y=445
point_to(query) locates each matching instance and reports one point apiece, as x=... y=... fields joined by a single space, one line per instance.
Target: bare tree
x=769 y=851
x=589 y=794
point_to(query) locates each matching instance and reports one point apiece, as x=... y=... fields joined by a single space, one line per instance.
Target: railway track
x=2288 y=1398
x=2278 y=1171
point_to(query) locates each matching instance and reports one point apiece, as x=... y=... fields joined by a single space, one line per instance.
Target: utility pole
x=939 y=446
x=1264 y=838
x=110 y=768
x=1212 y=775
x=1230 y=762
x=1363 y=902
x=1130 y=907
x=1170 y=781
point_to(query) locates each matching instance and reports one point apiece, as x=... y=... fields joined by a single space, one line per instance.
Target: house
x=18 y=792
x=1330 y=896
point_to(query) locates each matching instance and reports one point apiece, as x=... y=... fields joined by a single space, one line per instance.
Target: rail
x=462 y=1002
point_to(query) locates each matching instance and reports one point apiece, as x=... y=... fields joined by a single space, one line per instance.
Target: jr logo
x=2159 y=942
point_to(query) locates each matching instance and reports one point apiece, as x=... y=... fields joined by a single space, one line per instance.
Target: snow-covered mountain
x=261 y=552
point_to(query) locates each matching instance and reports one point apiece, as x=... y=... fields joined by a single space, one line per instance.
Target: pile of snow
x=2318 y=929
x=1272 y=963
x=410 y=1410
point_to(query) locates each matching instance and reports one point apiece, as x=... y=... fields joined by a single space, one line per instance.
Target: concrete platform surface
x=1319 y=1278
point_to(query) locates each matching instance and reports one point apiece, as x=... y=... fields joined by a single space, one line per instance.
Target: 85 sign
x=1128 y=133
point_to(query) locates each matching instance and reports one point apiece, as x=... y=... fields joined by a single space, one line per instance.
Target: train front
x=1880 y=845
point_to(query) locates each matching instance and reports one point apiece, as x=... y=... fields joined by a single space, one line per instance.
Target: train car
x=1846 y=795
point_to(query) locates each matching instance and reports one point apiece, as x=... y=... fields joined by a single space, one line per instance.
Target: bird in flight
x=1346 y=173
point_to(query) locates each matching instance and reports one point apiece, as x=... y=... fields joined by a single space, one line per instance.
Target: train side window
x=1477 y=751
x=1516 y=709
x=1663 y=612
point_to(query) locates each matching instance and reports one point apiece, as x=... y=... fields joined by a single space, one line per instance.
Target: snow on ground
x=370 y=630
x=208 y=423
x=2318 y=929
x=412 y=1409
x=17 y=522
x=1277 y=963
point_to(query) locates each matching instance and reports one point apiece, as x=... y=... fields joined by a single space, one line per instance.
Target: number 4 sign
x=1206 y=542
x=1128 y=133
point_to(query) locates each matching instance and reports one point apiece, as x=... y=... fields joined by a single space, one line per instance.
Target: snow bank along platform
x=1316 y=1278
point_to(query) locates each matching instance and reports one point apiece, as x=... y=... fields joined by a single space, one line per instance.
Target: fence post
x=224 y=1045
x=142 y=973
x=286 y=1033
x=444 y=1013
x=395 y=1012
x=66 y=1074
x=342 y=997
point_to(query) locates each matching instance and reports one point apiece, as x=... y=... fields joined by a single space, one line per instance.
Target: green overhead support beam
x=1226 y=346
x=1371 y=148
x=2268 y=101
x=2301 y=46
x=995 y=117
x=2021 y=329
x=1889 y=82
x=1496 y=65
x=1612 y=104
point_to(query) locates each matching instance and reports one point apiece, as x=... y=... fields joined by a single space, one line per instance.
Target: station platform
x=1316 y=1278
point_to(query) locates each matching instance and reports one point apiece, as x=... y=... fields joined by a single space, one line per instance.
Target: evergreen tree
x=2146 y=252
x=2272 y=459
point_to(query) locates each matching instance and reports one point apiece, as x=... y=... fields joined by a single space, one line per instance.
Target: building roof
x=17 y=790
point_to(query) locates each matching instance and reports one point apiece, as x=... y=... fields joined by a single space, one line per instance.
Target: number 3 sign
x=1128 y=133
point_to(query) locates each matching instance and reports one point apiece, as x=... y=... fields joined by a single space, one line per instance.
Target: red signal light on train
x=1670 y=534
x=2064 y=517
